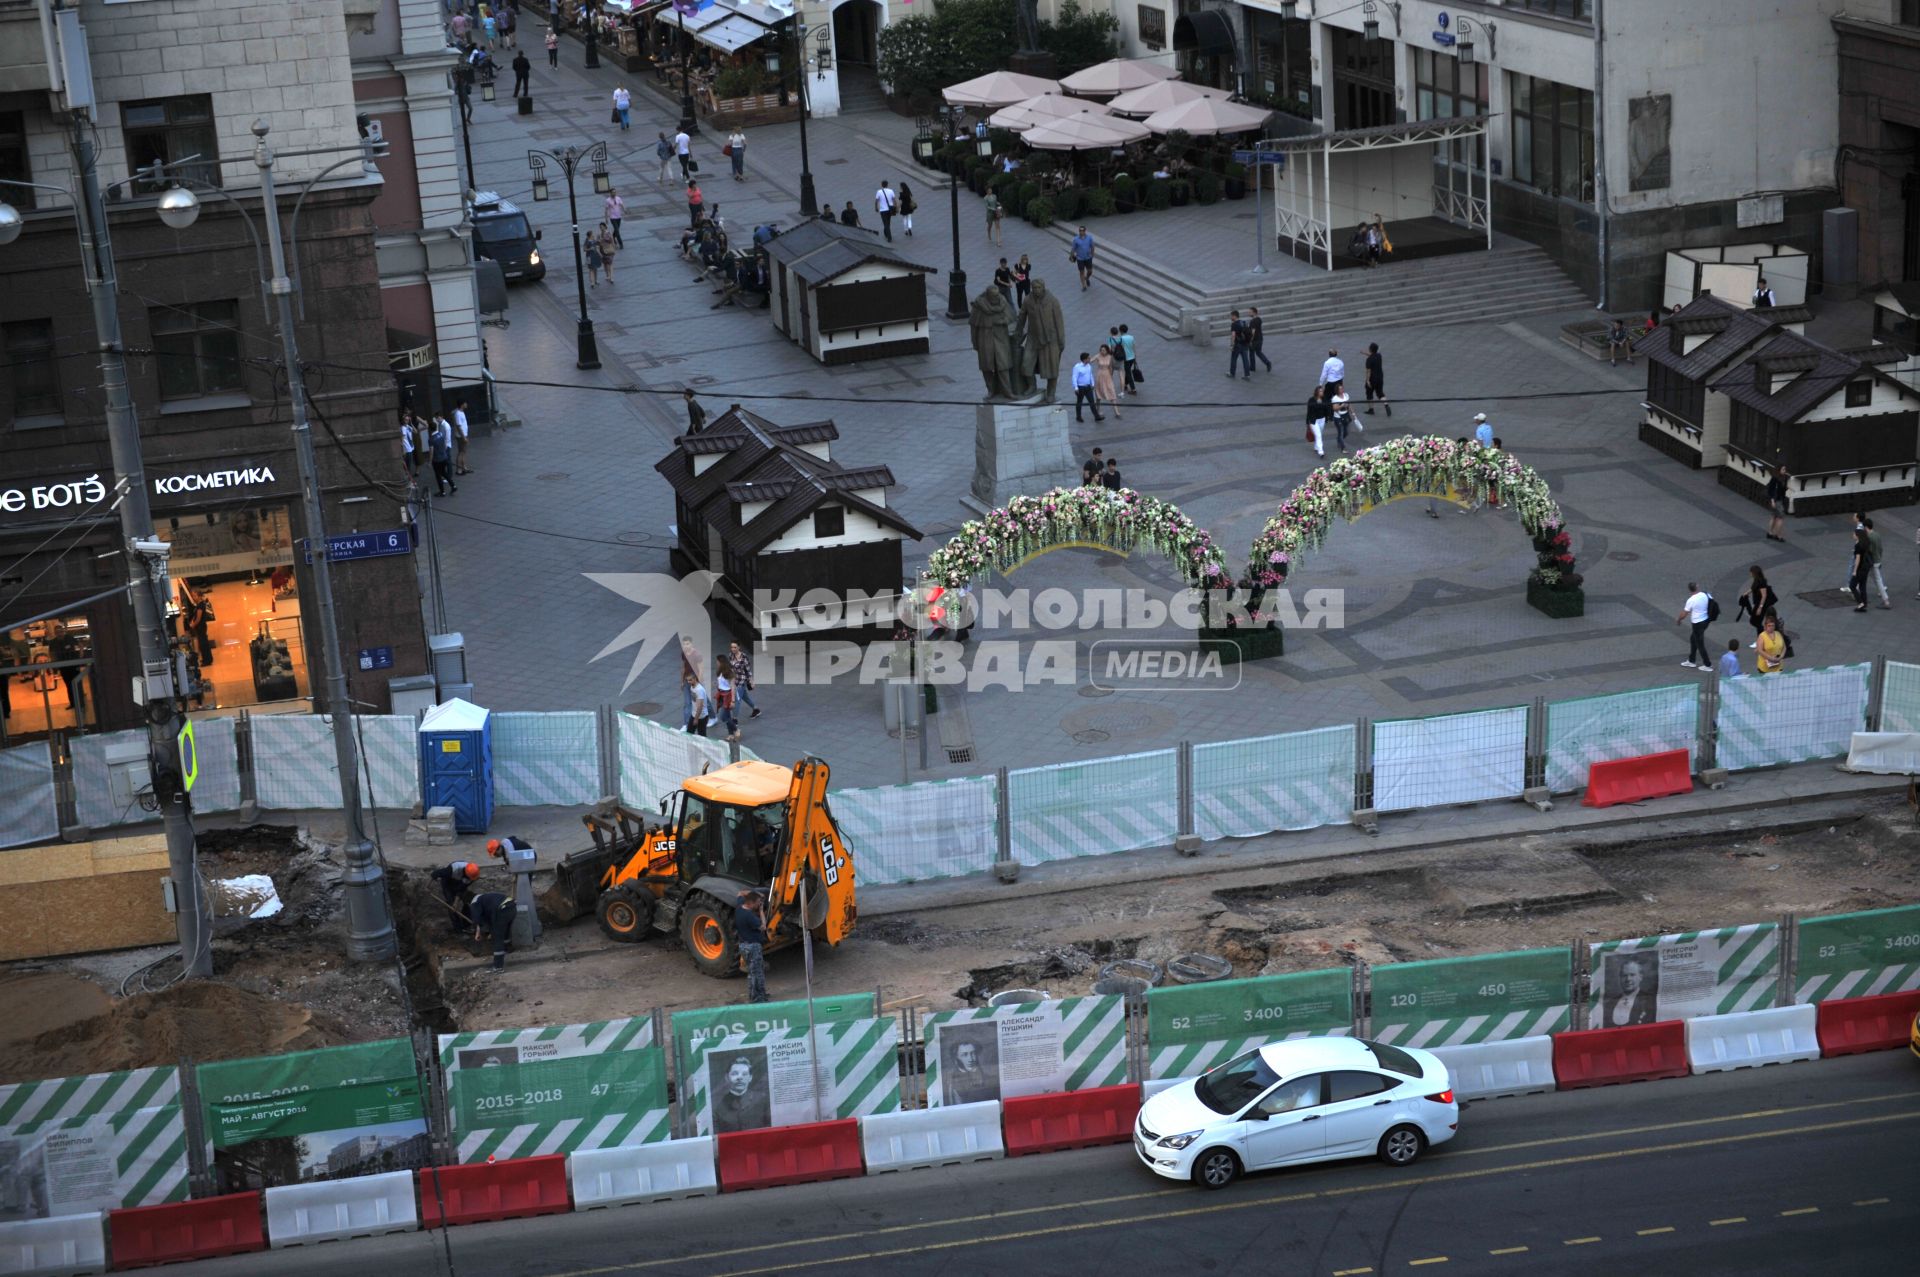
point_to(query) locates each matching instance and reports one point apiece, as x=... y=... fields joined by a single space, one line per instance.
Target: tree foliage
x=961 y=39
x=1079 y=38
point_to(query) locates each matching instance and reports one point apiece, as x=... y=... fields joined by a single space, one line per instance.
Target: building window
x=1859 y=393
x=1445 y=87
x=1552 y=137
x=166 y=130
x=36 y=374
x=1579 y=10
x=197 y=348
x=14 y=164
x=1153 y=27
x=830 y=521
x=1910 y=13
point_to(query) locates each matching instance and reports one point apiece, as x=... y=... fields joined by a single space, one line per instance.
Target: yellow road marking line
x=1751 y=1116
x=1509 y=1250
x=1873 y=1201
x=1804 y=1210
x=1653 y=1232
x=1737 y=1219
x=1350 y=1272
x=1579 y=1241
x=1436 y=1259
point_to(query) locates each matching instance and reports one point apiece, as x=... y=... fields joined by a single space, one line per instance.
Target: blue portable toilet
x=456 y=763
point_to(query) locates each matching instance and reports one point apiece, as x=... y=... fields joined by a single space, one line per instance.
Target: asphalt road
x=1789 y=1169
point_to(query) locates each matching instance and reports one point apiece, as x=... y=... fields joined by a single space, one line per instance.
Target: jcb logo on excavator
x=830 y=859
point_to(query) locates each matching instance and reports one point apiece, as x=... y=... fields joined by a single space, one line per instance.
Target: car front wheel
x=1216 y=1168
x=1399 y=1146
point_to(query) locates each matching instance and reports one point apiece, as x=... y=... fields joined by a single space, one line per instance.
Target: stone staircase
x=1511 y=279
x=859 y=90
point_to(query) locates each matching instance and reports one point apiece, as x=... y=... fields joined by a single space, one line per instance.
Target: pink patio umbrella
x=1116 y=75
x=1086 y=131
x=1139 y=103
x=1206 y=117
x=1038 y=110
x=996 y=89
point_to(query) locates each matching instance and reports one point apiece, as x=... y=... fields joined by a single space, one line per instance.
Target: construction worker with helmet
x=499 y=847
x=456 y=879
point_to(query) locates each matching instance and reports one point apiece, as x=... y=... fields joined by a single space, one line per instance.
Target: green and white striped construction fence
x=1792 y=717
x=29 y=802
x=100 y=1142
x=744 y=1081
x=1900 y=698
x=911 y=833
x=294 y=768
x=654 y=759
x=546 y=760
x=1300 y=780
x=1462 y=1001
x=1034 y=1048
x=558 y=1089
x=691 y=1028
x=1449 y=759
x=1684 y=974
x=1596 y=729
x=1195 y=1027
x=1855 y=955
x=1094 y=808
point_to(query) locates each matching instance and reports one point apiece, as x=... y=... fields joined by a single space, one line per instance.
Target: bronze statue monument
x=997 y=345
x=1043 y=331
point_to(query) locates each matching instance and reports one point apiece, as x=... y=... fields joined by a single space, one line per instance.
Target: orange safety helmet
x=473 y=871
x=493 y=847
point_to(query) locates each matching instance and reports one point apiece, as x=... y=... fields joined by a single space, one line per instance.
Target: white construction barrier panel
x=1518 y=1066
x=363 y=1206
x=58 y=1246
x=932 y=1137
x=1718 y=1043
x=642 y=1173
x=1884 y=753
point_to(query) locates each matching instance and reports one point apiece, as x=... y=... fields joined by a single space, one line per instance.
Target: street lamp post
x=687 y=122
x=569 y=161
x=593 y=38
x=809 y=200
x=957 y=279
x=370 y=934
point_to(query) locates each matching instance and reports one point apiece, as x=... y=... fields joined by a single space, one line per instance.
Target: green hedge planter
x=1233 y=645
x=1555 y=602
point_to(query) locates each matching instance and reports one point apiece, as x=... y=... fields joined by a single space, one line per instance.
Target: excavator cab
x=748 y=826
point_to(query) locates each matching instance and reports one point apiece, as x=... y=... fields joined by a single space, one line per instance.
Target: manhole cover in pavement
x=1091 y=736
x=1120 y=722
x=1090 y=691
x=633 y=538
x=643 y=709
x=553 y=476
x=1833 y=598
x=1624 y=556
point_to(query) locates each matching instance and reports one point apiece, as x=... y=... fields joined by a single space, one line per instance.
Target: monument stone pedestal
x=1019 y=448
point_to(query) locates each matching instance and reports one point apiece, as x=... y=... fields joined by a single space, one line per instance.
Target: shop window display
x=46 y=678
x=235 y=611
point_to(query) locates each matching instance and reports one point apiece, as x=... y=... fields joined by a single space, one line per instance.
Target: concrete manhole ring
x=632 y=538
x=1091 y=736
x=1120 y=721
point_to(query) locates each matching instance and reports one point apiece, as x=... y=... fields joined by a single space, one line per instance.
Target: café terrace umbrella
x=1139 y=103
x=1086 y=131
x=996 y=89
x=1038 y=110
x=1116 y=75
x=1206 y=117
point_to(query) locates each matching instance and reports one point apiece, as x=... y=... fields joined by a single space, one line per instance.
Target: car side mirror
x=1256 y=1114
x=537 y=234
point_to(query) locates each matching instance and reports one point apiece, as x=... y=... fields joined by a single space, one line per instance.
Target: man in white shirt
x=460 y=438
x=1762 y=295
x=1697 y=612
x=622 y=106
x=1334 y=371
x=1083 y=388
x=884 y=203
x=683 y=147
x=407 y=443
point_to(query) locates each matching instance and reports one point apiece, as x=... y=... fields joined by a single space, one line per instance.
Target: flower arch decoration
x=1416 y=464
x=1120 y=519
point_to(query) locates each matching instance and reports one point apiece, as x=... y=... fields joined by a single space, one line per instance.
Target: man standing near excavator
x=750 y=932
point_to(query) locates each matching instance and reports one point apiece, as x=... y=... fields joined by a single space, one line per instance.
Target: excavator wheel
x=624 y=914
x=706 y=928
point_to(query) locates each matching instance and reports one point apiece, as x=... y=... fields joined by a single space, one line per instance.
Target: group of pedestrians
x=1760 y=605
x=1247 y=342
x=732 y=687
x=1093 y=374
x=1101 y=471
x=1330 y=403
x=438 y=442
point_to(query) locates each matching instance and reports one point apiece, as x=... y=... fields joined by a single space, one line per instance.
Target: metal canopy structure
x=1313 y=225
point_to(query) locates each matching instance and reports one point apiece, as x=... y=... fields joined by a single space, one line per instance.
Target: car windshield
x=1235 y=1084
x=1392 y=1057
x=501 y=230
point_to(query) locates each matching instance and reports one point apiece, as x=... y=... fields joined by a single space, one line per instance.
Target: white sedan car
x=1305 y=1100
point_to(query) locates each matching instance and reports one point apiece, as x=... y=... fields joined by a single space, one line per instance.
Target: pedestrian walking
x=993 y=219
x=723 y=697
x=886 y=203
x=460 y=428
x=1860 y=566
x=849 y=215
x=742 y=676
x=553 y=47
x=696 y=415
x=509 y=23
x=1083 y=388
x=750 y=933
x=695 y=201
x=408 y=433
x=458 y=26
x=616 y=212
x=1340 y=410
x=609 y=245
x=699 y=706
x=1777 y=487
x=1376 y=380
x=1239 y=351
x=736 y=151
x=1482 y=430
x=593 y=260
x=622 y=108
x=1619 y=343
x=1003 y=280
x=521 y=70
x=664 y=151
x=1698 y=612
x=1771 y=647
x=1132 y=366
x=1091 y=470
x=442 y=451
x=489 y=30
x=1081 y=251
x=683 y=151
x=1333 y=371
x=1103 y=380
x=906 y=208
x=1110 y=477
x=1022 y=281
x=1729 y=665
x=1317 y=421
x=1758 y=600
x=1257 y=339
x=492 y=913
x=1876 y=549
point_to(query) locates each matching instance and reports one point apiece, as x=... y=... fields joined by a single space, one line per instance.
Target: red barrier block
x=1848 y=1026
x=1069 y=1119
x=142 y=1236
x=1628 y=780
x=790 y=1155
x=513 y=1189
x=1601 y=1057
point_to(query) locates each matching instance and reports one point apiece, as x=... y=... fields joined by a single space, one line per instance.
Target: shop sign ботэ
x=77 y=494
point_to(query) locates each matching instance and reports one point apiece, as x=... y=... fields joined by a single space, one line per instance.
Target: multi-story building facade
x=1879 y=163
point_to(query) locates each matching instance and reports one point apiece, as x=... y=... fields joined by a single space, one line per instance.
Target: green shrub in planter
x=1182 y=192
x=1159 y=195
x=1040 y=211
x=1024 y=194
x=1236 y=180
x=1003 y=184
x=1123 y=193
x=952 y=155
x=1207 y=189
x=1099 y=202
x=1069 y=204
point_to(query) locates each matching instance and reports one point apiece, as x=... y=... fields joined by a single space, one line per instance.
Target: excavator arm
x=815 y=855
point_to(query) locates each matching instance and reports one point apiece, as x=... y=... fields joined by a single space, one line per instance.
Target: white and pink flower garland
x=1120 y=518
